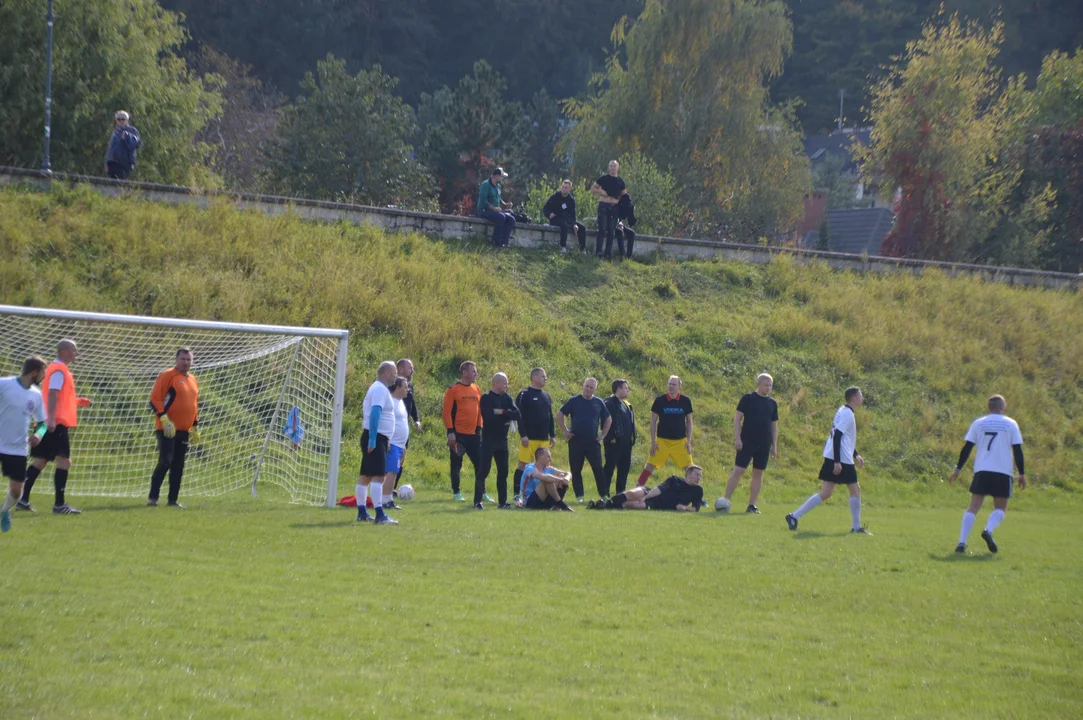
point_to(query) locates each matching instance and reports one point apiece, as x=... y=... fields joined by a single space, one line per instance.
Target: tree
x=469 y=131
x=346 y=138
x=938 y=125
x=238 y=135
x=107 y=56
x=687 y=88
x=840 y=186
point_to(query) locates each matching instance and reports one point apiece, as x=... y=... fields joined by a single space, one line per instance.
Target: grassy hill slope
x=927 y=350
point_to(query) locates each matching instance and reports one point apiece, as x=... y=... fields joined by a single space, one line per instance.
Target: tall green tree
x=938 y=126
x=107 y=56
x=470 y=130
x=346 y=138
x=688 y=89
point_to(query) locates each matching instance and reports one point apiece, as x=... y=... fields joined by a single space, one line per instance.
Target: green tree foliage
x=840 y=186
x=346 y=138
x=107 y=56
x=469 y=131
x=937 y=130
x=688 y=89
x=535 y=44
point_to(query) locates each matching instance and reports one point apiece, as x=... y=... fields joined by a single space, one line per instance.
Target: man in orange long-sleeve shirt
x=175 y=400
x=462 y=418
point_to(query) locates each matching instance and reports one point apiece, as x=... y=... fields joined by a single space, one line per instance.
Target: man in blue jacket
x=120 y=157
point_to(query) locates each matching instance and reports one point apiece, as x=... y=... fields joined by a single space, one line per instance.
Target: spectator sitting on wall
x=492 y=208
x=120 y=157
x=559 y=210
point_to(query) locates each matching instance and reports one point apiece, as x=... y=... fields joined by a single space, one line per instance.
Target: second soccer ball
x=722 y=505
x=406 y=492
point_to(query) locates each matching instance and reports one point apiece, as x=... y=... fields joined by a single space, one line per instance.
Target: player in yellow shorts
x=536 y=425
x=671 y=430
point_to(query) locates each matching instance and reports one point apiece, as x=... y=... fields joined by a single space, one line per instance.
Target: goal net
x=270 y=400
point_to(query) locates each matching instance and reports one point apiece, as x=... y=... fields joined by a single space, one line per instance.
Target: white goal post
x=259 y=385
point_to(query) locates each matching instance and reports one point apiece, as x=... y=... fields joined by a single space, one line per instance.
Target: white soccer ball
x=722 y=505
x=406 y=492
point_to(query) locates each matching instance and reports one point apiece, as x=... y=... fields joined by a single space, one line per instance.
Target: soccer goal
x=270 y=400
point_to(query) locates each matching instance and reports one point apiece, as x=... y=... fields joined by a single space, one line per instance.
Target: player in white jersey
x=400 y=388
x=20 y=405
x=999 y=442
x=379 y=425
x=840 y=458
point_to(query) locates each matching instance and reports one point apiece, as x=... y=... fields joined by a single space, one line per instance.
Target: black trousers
x=565 y=226
x=171 y=454
x=591 y=451
x=618 y=456
x=607 y=228
x=629 y=241
x=496 y=449
x=471 y=445
x=118 y=171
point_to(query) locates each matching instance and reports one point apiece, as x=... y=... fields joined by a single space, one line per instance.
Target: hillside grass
x=927 y=349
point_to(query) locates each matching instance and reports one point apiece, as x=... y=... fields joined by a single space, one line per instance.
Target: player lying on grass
x=999 y=442
x=676 y=493
x=544 y=486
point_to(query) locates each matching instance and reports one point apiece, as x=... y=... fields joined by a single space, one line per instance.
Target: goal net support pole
x=251 y=377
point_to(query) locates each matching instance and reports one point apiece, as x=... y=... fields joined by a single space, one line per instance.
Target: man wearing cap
x=491 y=207
x=120 y=157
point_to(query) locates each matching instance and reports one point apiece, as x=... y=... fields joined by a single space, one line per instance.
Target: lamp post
x=46 y=165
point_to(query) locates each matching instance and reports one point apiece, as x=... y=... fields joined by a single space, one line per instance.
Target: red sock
x=643 y=478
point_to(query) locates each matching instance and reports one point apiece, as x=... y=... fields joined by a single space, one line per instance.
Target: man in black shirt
x=559 y=210
x=497 y=412
x=536 y=426
x=406 y=370
x=621 y=437
x=671 y=430
x=680 y=494
x=609 y=188
x=588 y=414
x=755 y=436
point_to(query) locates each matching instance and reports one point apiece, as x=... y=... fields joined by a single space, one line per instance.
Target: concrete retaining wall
x=454 y=226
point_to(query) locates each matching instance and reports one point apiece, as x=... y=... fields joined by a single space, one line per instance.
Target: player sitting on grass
x=999 y=442
x=676 y=493
x=543 y=485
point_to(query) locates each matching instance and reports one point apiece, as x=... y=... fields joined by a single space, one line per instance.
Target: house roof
x=858 y=231
x=838 y=143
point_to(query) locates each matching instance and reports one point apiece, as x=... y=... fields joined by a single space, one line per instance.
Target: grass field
x=256 y=608
x=251 y=609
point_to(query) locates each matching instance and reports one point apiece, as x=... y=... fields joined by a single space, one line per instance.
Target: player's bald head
x=387 y=371
x=66 y=350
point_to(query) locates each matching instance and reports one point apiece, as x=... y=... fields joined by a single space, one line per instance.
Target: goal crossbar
x=325 y=441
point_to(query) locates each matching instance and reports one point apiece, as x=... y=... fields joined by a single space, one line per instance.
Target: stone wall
x=533 y=236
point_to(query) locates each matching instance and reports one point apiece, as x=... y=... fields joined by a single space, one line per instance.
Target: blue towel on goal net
x=294 y=430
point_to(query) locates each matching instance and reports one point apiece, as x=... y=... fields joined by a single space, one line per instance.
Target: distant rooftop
x=854 y=231
x=839 y=144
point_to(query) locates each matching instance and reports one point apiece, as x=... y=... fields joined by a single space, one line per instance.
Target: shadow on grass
x=138 y=506
x=952 y=557
x=329 y=523
x=814 y=535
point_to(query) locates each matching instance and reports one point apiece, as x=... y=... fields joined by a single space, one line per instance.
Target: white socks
x=362 y=492
x=968 y=524
x=995 y=519
x=9 y=502
x=811 y=503
x=376 y=490
x=855 y=511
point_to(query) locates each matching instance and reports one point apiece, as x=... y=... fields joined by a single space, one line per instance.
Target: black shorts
x=758 y=456
x=13 y=467
x=996 y=484
x=374 y=464
x=536 y=503
x=55 y=444
x=848 y=476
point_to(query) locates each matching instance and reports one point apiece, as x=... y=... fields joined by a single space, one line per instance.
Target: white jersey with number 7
x=994 y=436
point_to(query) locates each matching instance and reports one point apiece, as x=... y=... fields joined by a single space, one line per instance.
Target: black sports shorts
x=758 y=456
x=374 y=463
x=55 y=444
x=536 y=503
x=996 y=484
x=848 y=476
x=13 y=467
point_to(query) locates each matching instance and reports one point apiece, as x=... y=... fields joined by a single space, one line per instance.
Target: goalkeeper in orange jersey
x=175 y=400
